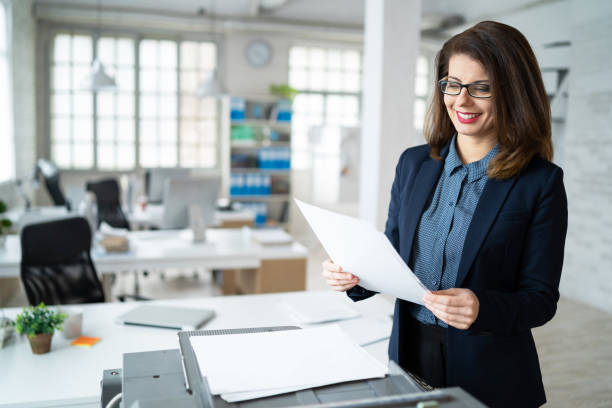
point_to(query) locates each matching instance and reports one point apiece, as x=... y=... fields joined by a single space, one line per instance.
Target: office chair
x=51 y=176
x=56 y=265
x=109 y=203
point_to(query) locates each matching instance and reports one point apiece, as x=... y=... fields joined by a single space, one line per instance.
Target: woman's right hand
x=338 y=280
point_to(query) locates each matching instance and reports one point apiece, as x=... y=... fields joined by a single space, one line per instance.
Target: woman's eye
x=481 y=88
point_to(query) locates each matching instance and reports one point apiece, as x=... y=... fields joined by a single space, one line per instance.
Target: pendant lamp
x=98 y=80
x=212 y=86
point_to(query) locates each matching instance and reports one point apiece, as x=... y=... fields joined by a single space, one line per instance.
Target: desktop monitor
x=180 y=194
x=155 y=181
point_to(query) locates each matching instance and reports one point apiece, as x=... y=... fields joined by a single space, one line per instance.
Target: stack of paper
x=367 y=330
x=246 y=366
x=318 y=310
x=274 y=236
x=113 y=239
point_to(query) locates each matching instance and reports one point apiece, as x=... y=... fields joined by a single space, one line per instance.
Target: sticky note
x=85 y=341
x=428 y=404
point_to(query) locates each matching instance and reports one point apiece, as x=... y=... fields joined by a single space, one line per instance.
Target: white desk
x=225 y=249
x=152 y=215
x=70 y=376
x=20 y=217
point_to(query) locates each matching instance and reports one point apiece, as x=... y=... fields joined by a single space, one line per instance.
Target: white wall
x=587 y=274
x=24 y=115
x=243 y=79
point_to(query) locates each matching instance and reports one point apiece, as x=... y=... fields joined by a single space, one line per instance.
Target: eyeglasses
x=476 y=90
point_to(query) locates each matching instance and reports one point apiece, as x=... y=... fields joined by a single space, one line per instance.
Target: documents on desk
x=367 y=330
x=245 y=366
x=272 y=236
x=113 y=239
x=365 y=252
x=317 y=309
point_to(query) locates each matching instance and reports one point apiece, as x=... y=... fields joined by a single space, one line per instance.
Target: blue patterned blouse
x=444 y=225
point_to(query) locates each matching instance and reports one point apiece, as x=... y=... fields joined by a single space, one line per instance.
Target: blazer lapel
x=424 y=183
x=493 y=196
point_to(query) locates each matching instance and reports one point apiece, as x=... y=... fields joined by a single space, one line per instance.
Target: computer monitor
x=155 y=181
x=180 y=194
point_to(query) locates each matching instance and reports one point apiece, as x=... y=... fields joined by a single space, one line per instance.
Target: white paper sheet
x=367 y=330
x=259 y=362
x=365 y=252
x=276 y=236
x=363 y=331
x=319 y=309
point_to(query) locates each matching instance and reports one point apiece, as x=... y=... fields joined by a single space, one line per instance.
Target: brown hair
x=521 y=108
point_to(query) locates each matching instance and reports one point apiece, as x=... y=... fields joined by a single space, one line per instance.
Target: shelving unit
x=259 y=165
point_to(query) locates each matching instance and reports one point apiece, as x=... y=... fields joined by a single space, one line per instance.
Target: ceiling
x=340 y=12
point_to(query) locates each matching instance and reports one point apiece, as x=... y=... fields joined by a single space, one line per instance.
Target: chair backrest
x=56 y=266
x=181 y=193
x=109 y=203
x=51 y=176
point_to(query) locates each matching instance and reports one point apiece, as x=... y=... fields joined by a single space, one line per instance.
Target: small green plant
x=283 y=91
x=4 y=222
x=39 y=319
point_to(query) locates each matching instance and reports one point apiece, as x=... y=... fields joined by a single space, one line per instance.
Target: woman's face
x=471 y=116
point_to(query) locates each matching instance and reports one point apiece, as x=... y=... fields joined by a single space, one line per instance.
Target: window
x=116 y=139
x=7 y=152
x=158 y=104
x=72 y=136
x=329 y=81
x=172 y=127
x=198 y=116
x=421 y=89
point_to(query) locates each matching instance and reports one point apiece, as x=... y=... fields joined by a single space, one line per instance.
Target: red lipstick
x=472 y=117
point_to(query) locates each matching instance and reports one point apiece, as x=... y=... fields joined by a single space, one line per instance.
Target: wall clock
x=258 y=53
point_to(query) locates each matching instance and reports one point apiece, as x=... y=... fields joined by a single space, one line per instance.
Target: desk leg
x=107 y=286
x=277 y=275
x=229 y=281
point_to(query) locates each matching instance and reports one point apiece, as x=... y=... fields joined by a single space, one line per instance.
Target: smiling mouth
x=467 y=117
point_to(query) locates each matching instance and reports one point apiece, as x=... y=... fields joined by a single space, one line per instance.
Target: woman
x=480 y=216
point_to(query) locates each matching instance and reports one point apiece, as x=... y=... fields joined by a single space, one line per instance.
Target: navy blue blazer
x=512 y=260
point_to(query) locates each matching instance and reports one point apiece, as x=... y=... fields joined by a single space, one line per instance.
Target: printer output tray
x=179 y=383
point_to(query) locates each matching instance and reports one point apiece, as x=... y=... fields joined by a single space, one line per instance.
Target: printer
x=172 y=378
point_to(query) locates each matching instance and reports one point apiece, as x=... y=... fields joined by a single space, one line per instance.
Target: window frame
x=327 y=93
x=137 y=35
x=6 y=5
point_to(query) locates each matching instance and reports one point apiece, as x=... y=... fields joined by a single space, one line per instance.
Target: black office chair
x=56 y=266
x=109 y=203
x=51 y=176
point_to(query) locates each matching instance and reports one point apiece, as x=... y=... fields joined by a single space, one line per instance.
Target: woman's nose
x=464 y=97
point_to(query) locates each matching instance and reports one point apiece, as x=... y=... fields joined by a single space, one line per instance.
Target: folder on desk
x=166 y=317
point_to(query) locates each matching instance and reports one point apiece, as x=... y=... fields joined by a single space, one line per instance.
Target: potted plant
x=283 y=91
x=5 y=224
x=39 y=323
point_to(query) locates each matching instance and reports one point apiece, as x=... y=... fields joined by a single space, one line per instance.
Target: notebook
x=167 y=317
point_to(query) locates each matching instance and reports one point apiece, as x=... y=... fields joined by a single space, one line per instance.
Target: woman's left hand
x=456 y=307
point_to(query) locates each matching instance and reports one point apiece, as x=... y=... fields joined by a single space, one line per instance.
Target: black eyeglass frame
x=461 y=86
